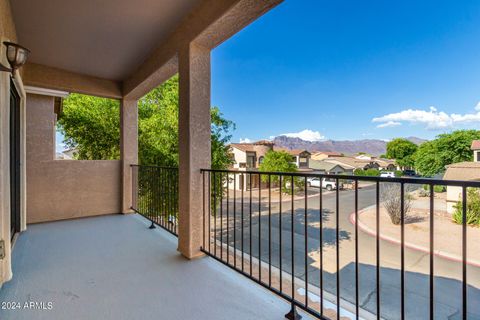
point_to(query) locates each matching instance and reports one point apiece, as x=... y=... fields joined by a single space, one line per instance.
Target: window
x=260 y=160
x=87 y=128
x=250 y=161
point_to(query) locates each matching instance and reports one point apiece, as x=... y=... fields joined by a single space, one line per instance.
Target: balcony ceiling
x=107 y=39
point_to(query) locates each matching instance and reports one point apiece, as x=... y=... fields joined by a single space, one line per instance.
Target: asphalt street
x=275 y=222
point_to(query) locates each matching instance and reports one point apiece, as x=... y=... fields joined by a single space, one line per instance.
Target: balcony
x=114 y=267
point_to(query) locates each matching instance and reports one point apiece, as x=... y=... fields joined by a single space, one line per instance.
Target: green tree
x=432 y=157
x=280 y=161
x=403 y=151
x=427 y=160
x=91 y=125
x=277 y=161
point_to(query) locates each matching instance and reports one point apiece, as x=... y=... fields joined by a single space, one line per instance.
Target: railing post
x=194 y=144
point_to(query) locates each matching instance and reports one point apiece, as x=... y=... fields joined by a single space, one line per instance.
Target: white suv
x=387 y=174
x=327 y=183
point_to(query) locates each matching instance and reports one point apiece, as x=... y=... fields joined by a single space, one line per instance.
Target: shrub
x=473 y=208
x=436 y=189
x=367 y=173
x=392 y=202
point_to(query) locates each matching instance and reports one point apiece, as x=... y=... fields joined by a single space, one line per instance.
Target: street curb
x=438 y=253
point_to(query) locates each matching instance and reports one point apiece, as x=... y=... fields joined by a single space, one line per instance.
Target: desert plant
x=473 y=208
x=392 y=202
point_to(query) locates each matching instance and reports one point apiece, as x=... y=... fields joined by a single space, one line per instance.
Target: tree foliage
x=403 y=151
x=277 y=161
x=91 y=125
x=281 y=161
x=432 y=156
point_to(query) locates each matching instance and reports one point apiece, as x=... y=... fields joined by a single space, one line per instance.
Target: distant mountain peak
x=374 y=147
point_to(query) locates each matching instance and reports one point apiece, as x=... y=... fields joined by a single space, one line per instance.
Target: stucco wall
x=64 y=189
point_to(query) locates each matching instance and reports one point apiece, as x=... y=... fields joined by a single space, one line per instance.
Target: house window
x=260 y=160
x=250 y=161
x=478 y=156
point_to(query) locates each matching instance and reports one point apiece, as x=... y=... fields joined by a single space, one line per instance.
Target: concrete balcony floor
x=114 y=267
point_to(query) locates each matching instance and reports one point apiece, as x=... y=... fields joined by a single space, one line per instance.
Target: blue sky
x=352 y=70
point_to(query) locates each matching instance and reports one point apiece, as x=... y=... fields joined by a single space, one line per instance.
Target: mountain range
x=374 y=147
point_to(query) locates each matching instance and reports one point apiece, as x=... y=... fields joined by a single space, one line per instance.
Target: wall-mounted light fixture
x=16 y=56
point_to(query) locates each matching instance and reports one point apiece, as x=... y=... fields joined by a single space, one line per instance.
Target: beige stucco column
x=128 y=148
x=194 y=144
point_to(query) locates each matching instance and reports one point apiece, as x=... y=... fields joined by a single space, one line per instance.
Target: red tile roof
x=475 y=145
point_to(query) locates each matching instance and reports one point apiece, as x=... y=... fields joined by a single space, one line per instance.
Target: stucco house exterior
x=468 y=171
x=321 y=155
x=248 y=157
x=300 y=158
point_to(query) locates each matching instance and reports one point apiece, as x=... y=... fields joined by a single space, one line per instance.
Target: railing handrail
x=153 y=166
x=412 y=180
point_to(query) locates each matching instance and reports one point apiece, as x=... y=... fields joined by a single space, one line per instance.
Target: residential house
x=321 y=155
x=364 y=156
x=353 y=162
x=325 y=167
x=300 y=158
x=467 y=171
x=248 y=157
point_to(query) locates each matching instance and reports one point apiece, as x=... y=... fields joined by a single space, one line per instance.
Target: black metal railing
x=155 y=195
x=288 y=234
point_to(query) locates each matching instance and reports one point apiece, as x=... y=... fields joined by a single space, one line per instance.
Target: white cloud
x=245 y=140
x=389 y=124
x=307 y=135
x=433 y=119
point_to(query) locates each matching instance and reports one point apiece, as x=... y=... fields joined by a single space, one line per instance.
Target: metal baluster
x=244 y=182
x=377 y=241
x=402 y=258
x=209 y=212
x=203 y=204
x=306 y=242
x=280 y=232
x=321 y=245
x=337 y=231
x=357 y=302
x=432 y=296
x=270 y=231
x=259 y=227
x=464 y=253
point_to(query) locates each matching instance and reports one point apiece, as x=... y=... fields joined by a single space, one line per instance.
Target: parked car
x=327 y=183
x=410 y=173
x=387 y=174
